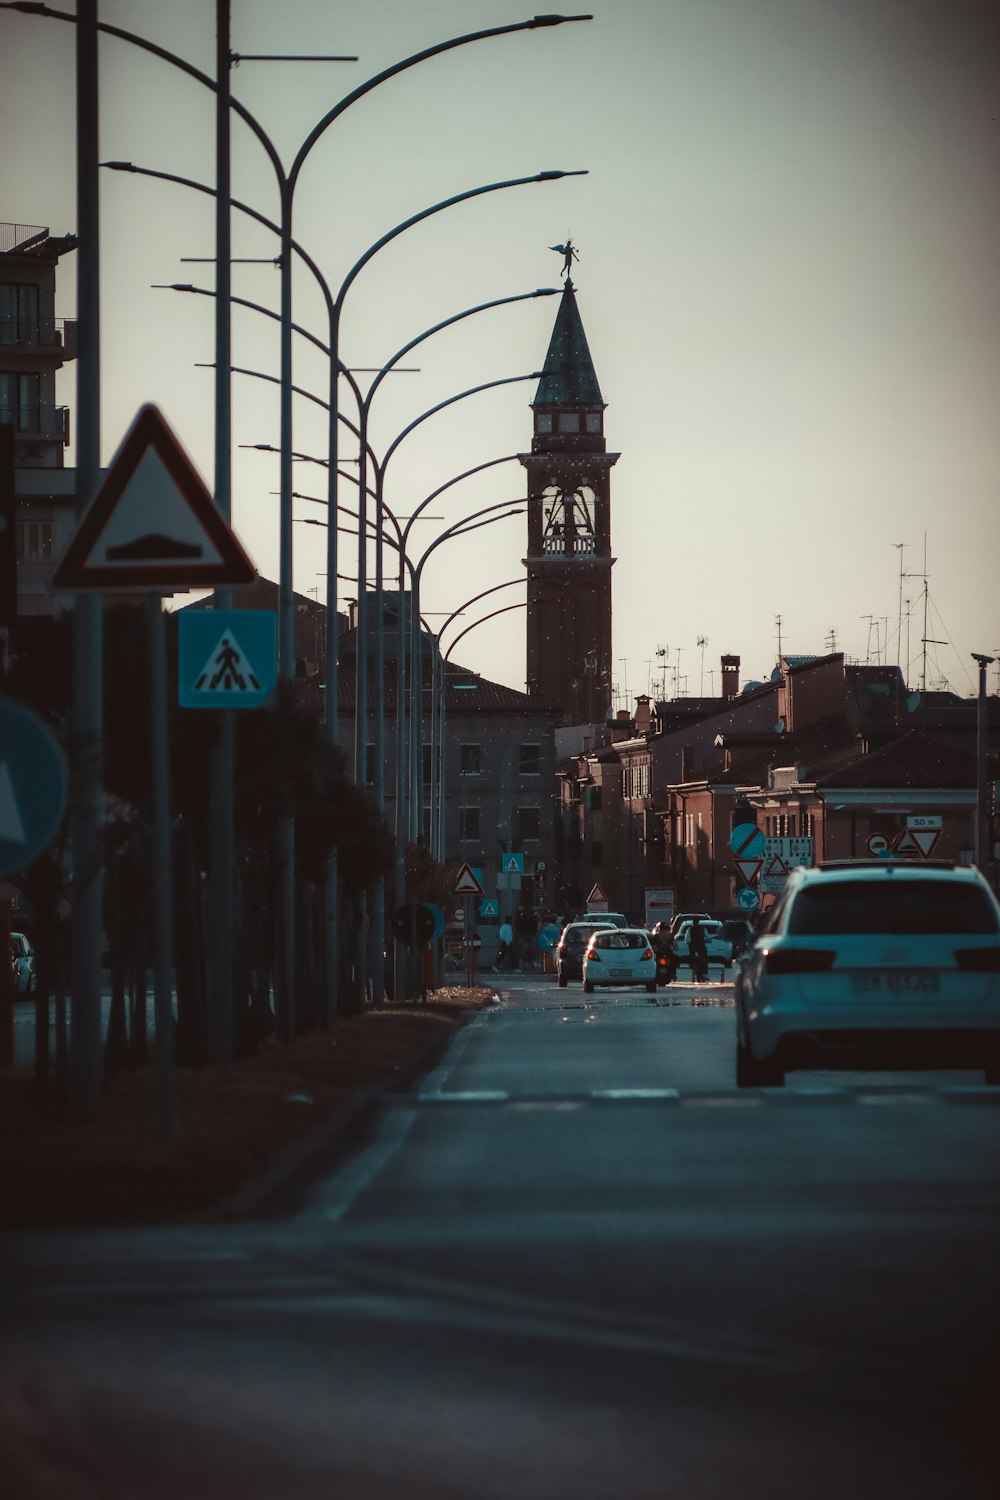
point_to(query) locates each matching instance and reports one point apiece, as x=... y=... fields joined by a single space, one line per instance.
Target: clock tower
x=569 y=558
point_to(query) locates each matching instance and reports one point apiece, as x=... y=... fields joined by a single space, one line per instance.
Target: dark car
x=739 y=932
x=572 y=945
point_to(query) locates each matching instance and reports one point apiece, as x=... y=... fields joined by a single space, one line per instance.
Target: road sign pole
x=87 y=759
x=470 y=952
x=162 y=867
x=222 y=872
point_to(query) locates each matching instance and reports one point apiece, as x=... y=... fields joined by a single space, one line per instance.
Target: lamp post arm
x=427 y=213
x=547 y=291
x=482 y=621
x=170 y=57
x=474 y=390
x=460 y=527
x=511 y=582
x=456 y=479
x=409 y=62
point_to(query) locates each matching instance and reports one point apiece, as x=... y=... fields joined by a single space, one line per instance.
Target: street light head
x=537 y=21
x=551 y=176
x=984 y=661
x=120 y=166
x=172 y=286
x=547 y=291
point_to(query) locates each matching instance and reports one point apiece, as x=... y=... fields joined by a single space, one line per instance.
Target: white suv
x=881 y=965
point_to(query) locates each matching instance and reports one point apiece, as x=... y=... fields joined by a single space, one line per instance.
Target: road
x=574 y=1262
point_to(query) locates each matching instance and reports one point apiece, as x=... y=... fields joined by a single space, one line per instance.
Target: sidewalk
x=243 y=1136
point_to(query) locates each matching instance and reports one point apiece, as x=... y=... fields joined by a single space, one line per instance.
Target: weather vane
x=569 y=255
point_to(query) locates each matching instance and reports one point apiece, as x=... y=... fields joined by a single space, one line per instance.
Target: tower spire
x=568 y=375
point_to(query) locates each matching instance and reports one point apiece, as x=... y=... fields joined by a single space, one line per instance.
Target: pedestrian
x=506 y=936
x=526 y=929
x=698 y=951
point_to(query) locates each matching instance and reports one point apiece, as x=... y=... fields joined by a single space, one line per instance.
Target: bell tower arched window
x=568 y=518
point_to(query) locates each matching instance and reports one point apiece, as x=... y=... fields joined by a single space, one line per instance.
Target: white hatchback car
x=620 y=955
x=881 y=965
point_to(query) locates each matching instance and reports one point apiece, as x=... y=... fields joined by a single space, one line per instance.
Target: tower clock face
x=568 y=520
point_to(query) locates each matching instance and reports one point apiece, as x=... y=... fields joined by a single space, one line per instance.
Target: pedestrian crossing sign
x=226 y=658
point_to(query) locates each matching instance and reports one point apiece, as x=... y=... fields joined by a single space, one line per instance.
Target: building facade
x=39 y=506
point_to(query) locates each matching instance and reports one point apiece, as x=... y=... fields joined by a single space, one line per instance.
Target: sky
x=788 y=240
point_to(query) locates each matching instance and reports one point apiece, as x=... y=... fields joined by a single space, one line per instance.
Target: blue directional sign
x=489 y=909
x=511 y=863
x=227 y=658
x=32 y=786
x=748 y=898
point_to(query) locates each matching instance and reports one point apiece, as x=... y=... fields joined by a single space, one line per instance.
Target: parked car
x=619 y=955
x=23 y=958
x=718 y=948
x=881 y=965
x=570 y=948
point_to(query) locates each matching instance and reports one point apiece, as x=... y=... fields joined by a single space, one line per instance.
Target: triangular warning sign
x=925 y=839
x=777 y=867
x=466 y=883
x=152 y=523
x=227 y=670
x=905 y=843
x=596 y=894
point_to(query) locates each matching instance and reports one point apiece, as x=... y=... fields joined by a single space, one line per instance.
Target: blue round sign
x=32 y=786
x=747 y=841
x=748 y=898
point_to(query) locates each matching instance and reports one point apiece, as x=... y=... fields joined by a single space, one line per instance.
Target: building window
x=543 y=421
x=569 y=421
x=35 y=541
x=370 y=764
x=469 y=760
x=593 y=421
x=20 y=399
x=529 y=824
x=427 y=767
x=18 y=314
x=530 y=760
x=468 y=823
x=595 y=853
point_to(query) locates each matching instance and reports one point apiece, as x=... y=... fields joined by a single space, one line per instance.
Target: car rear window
x=886 y=906
x=621 y=940
x=577 y=936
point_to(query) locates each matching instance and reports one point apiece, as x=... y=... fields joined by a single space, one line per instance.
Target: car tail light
x=593 y=956
x=798 y=960
x=561 y=948
x=978 y=960
x=648 y=953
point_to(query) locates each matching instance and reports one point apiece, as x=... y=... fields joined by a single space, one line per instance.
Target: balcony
x=36 y=421
x=20 y=334
x=579 y=545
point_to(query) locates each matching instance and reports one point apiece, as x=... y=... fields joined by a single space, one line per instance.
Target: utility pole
x=981 y=852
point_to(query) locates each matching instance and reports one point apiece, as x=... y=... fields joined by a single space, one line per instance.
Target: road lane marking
x=635 y=1094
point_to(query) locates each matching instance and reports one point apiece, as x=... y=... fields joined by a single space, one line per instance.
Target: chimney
x=643 y=715
x=730 y=676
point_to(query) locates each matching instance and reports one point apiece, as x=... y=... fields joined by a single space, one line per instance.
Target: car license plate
x=620 y=973
x=896 y=982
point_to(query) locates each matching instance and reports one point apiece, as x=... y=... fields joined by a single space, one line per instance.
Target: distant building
x=34 y=346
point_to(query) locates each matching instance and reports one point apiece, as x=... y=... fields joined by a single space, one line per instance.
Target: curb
x=252 y=1198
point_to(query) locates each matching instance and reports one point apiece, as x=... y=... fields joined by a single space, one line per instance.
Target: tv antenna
x=701 y=643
